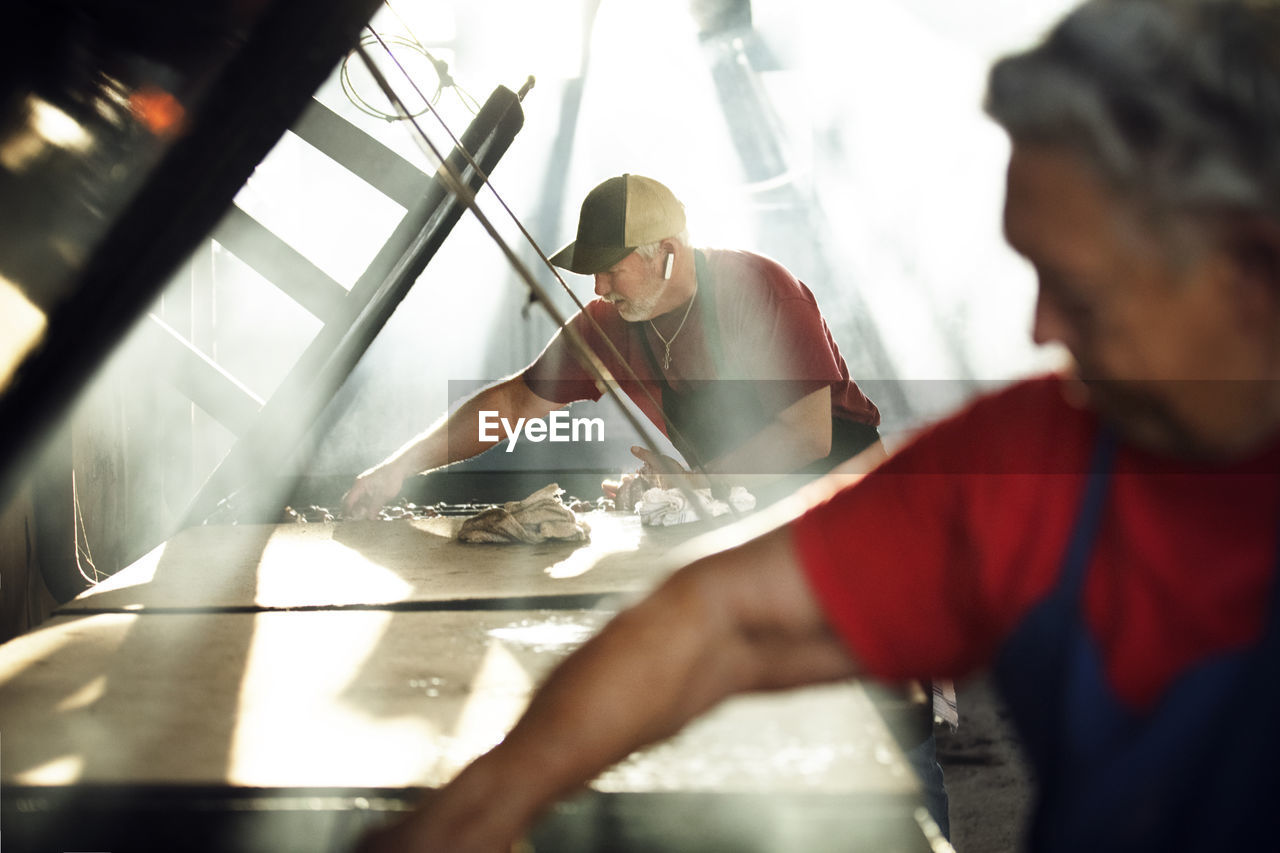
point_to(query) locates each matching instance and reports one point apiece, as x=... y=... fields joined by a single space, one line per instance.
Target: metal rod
x=674 y=431
x=334 y=352
x=601 y=376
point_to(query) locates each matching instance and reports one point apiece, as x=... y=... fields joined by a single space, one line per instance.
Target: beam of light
x=609 y=535
x=498 y=695
x=938 y=843
x=64 y=770
x=320 y=208
x=85 y=696
x=22 y=328
x=51 y=684
x=139 y=573
x=302 y=565
x=701 y=167
x=23 y=651
x=292 y=725
x=46 y=127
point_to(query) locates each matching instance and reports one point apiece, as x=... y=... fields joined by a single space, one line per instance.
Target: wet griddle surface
x=376 y=699
x=362 y=658
x=383 y=562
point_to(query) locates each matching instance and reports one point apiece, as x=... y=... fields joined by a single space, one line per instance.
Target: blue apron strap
x=1031 y=669
x=1200 y=772
x=1076 y=560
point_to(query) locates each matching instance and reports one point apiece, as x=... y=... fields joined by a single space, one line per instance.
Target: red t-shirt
x=770 y=333
x=929 y=563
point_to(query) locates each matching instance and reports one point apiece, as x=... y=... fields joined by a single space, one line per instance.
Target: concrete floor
x=987 y=780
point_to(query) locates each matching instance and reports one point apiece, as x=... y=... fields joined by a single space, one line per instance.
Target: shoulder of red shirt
x=743 y=268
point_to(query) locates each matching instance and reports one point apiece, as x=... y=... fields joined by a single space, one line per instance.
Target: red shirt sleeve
x=925 y=565
x=557 y=374
x=774 y=332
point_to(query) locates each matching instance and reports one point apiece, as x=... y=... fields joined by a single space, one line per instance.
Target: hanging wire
x=444 y=79
x=84 y=556
x=363 y=105
x=601 y=376
x=535 y=294
x=442 y=68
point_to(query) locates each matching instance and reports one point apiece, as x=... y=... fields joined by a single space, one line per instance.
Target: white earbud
x=671 y=260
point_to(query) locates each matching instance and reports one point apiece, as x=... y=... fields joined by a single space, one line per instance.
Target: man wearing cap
x=729 y=344
x=725 y=351
x=1106 y=541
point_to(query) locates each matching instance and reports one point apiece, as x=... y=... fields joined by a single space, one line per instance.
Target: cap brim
x=589 y=260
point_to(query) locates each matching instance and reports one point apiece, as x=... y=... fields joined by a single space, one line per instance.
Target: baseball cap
x=616 y=217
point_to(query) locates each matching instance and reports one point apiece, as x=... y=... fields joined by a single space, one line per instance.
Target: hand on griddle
x=627 y=490
x=371 y=491
x=665 y=472
x=658 y=471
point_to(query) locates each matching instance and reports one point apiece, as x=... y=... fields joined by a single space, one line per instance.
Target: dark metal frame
x=249 y=101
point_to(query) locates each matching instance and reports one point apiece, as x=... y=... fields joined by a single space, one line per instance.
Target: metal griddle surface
x=267 y=661
x=376 y=699
x=369 y=563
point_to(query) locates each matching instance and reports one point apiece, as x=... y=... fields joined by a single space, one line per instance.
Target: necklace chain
x=667 y=342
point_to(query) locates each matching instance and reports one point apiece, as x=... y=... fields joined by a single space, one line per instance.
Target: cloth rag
x=668 y=507
x=537 y=518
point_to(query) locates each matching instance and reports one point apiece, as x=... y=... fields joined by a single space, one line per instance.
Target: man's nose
x=602 y=284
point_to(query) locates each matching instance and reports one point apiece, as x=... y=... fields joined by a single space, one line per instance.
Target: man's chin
x=1142 y=420
x=628 y=313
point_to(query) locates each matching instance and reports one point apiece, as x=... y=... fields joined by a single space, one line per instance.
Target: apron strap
x=1075 y=562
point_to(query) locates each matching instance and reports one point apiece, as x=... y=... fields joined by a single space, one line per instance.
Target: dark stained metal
x=167 y=109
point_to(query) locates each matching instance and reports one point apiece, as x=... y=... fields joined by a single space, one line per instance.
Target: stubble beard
x=1139 y=413
x=640 y=308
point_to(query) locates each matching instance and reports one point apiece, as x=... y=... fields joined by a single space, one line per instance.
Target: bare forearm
x=450 y=439
x=634 y=683
x=740 y=620
x=456 y=437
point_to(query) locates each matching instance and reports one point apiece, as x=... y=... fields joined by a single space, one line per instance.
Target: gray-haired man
x=1106 y=540
x=725 y=351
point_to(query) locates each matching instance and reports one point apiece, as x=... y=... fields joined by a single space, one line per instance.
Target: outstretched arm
x=450 y=439
x=739 y=620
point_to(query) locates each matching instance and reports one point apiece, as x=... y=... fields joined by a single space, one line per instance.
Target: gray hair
x=650 y=250
x=1175 y=103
